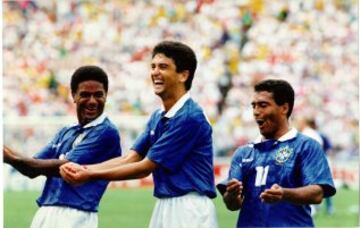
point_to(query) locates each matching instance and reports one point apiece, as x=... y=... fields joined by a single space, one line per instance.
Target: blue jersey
x=180 y=143
x=95 y=142
x=294 y=160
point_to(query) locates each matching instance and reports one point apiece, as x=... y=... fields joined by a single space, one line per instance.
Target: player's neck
x=282 y=131
x=170 y=101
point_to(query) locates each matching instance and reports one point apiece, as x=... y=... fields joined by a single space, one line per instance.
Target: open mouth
x=158 y=82
x=260 y=122
x=158 y=85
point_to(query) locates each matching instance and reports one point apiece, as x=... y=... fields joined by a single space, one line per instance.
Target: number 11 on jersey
x=261 y=175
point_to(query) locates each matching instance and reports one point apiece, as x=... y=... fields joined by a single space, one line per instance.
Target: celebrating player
x=274 y=179
x=176 y=147
x=94 y=139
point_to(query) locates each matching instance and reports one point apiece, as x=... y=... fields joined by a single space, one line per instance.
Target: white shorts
x=189 y=211
x=64 y=217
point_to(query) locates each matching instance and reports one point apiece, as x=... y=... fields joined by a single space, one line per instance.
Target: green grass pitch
x=132 y=208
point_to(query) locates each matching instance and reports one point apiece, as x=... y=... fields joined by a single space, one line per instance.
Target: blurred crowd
x=311 y=43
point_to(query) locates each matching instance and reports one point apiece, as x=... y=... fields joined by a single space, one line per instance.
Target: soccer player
x=94 y=139
x=274 y=179
x=309 y=127
x=176 y=147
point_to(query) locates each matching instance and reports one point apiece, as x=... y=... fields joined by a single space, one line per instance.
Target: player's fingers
x=273 y=191
x=233 y=182
x=275 y=186
x=66 y=169
x=269 y=198
x=71 y=167
x=233 y=192
x=233 y=185
x=70 y=176
x=265 y=198
x=65 y=176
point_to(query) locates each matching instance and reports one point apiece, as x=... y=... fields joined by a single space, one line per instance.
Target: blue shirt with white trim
x=95 y=142
x=294 y=160
x=180 y=143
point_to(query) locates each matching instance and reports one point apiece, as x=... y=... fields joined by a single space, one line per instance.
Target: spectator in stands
x=314 y=45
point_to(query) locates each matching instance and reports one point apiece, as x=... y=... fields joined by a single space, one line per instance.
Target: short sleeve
x=177 y=142
x=143 y=142
x=96 y=147
x=49 y=151
x=315 y=168
x=235 y=171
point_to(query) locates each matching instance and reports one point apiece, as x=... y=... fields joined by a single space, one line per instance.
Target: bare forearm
x=312 y=194
x=129 y=171
x=34 y=167
x=116 y=162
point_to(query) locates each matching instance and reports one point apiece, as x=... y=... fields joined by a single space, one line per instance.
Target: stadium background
x=311 y=43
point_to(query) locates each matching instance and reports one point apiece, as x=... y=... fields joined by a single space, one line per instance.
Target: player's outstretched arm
x=132 y=156
x=32 y=167
x=76 y=174
x=233 y=195
x=311 y=194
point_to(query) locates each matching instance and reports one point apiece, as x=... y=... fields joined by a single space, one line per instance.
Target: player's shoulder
x=306 y=140
x=156 y=114
x=192 y=113
x=61 y=133
x=244 y=150
x=106 y=129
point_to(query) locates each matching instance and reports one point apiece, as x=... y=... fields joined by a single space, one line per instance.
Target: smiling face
x=166 y=81
x=270 y=117
x=90 y=98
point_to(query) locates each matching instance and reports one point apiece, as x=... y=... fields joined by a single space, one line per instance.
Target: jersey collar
x=287 y=136
x=96 y=121
x=177 y=106
x=93 y=123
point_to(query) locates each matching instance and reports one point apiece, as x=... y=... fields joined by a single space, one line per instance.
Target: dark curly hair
x=87 y=73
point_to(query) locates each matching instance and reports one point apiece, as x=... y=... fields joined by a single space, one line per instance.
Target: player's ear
x=184 y=75
x=285 y=108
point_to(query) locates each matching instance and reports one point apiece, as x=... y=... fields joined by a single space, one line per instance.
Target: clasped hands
x=75 y=174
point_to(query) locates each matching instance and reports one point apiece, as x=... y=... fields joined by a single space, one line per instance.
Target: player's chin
x=263 y=132
x=267 y=134
x=88 y=118
x=159 y=92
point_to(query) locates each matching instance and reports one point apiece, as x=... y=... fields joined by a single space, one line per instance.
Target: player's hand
x=272 y=195
x=8 y=155
x=233 y=195
x=233 y=190
x=74 y=174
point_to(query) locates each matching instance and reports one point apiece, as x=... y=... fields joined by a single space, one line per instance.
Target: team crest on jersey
x=283 y=154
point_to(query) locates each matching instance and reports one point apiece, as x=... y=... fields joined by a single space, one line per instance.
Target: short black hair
x=182 y=55
x=88 y=73
x=282 y=92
